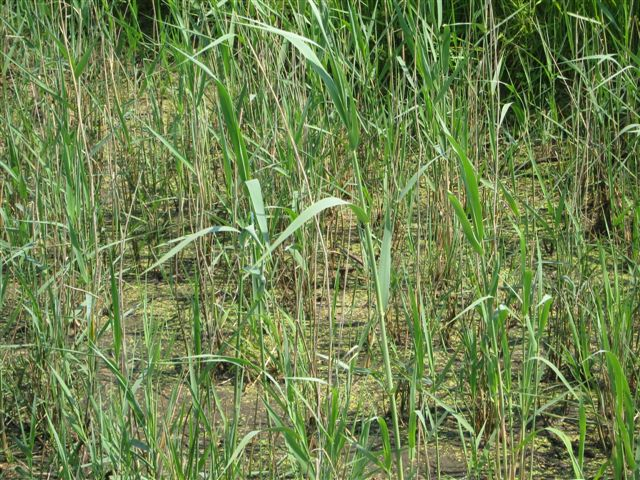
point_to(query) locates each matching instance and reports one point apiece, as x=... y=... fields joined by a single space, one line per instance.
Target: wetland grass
x=320 y=239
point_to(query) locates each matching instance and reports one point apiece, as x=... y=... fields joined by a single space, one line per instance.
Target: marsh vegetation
x=319 y=239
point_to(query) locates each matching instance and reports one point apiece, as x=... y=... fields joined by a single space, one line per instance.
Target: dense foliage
x=320 y=239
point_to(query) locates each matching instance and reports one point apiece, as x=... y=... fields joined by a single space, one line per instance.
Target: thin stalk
x=383 y=324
